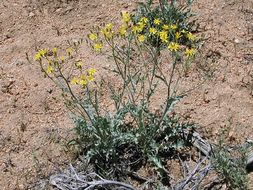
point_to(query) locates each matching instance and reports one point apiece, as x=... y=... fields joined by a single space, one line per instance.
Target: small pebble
x=237 y=41
x=31 y=14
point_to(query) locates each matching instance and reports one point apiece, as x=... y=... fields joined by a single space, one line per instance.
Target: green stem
x=168 y=94
x=73 y=95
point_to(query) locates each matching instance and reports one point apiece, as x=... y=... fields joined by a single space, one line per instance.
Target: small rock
x=31 y=14
x=237 y=41
x=45 y=11
x=19 y=63
x=6 y=88
x=68 y=9
x=21 y=186
x=58 y=10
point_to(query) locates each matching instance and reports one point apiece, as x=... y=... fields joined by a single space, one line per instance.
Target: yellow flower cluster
x=97 y=46
x=173 y=46
x=41 y=53
x=165 y=27
x=144 y=20
x=190 y=52
x=163 y=36
x=123 y=30
x=178 y=35
x=139 y=27
x=173 y=26
x=84 y=79
x=190 y=36
x=49 y=69
x=141 y=38
x=157 y=21
x=107 y=31
x=49 y=60
x=126 y=17
x=169 y=34
x=93 y=36
x=54 y=50
x=152 y=31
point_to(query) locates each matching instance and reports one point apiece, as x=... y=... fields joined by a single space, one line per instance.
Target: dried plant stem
x=72 y=180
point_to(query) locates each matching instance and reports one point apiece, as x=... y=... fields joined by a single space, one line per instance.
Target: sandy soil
x=33 y=120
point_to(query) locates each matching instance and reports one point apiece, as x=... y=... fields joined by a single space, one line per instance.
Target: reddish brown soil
x=33 y=119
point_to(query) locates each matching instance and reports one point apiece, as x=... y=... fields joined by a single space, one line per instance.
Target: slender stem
x=161 y=4
x=108 y=182
x=123 y=76
x=90 y=100
x=73 y=95
x=171 y=77
x=59 y=84
x=168 y=93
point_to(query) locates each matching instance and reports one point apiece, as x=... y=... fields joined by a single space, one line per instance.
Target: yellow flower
x=97 y=46
x=144 y=20
x=69 y=51
x=90 y=78
x=92 y=71
x=62 y=58
x=166 y=27
x=178 y=35
x=183 y=31
x=83 y=81
x=109 y=26
x=135 y=29
x=190 y=36
x=49 y=62
x=126 y=17
x=138 y=28
x=104 y=30
x=122 y=30
x=92 y=36
x=37 y=56
x=190 y=52
x=141 y=38
x=54 y=50
x=42 y=52
x=74 y=80
x=107 y=31
x=173 y=46
x=49 y=69
x=152 y=31
x=141 y=25
x=173 y=26
x=163 y=36
x=79 y=65
x=108 y=35
x=157 y=21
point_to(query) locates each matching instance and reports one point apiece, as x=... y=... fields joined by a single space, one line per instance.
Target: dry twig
x=72 y=180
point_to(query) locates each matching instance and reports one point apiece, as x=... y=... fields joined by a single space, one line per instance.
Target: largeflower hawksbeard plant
x=137 y=129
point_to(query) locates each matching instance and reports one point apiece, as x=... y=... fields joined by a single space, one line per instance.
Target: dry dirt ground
x=33 y=120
